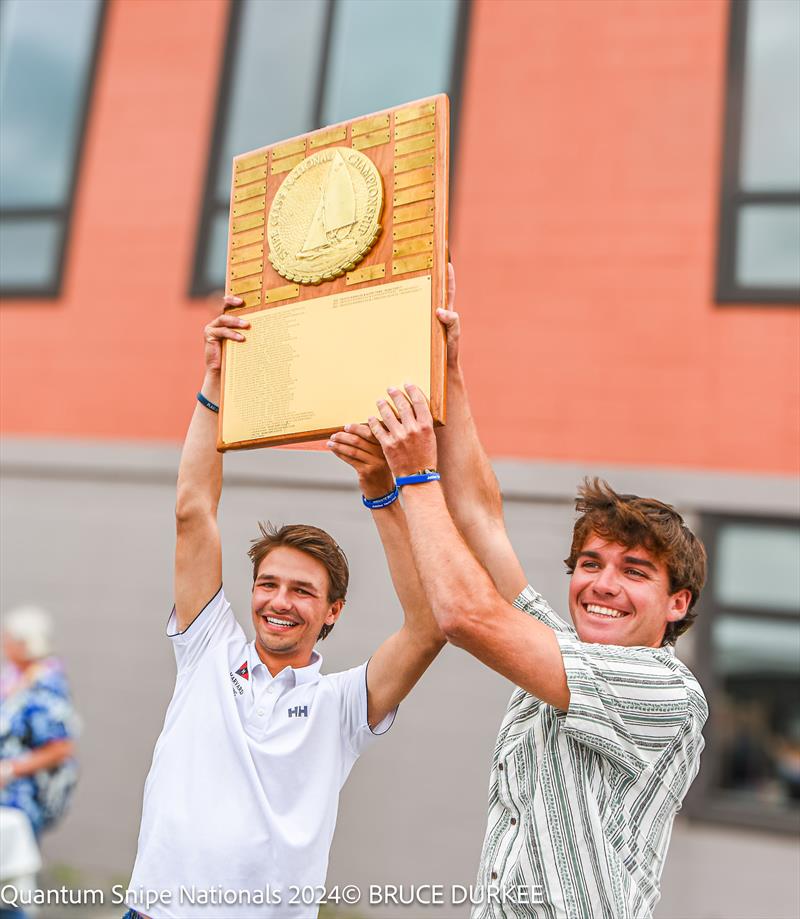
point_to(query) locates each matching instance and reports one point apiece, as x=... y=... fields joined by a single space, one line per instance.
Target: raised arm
x=401 y=660
x=466 y=604
x=198 y=554
x=468 y=480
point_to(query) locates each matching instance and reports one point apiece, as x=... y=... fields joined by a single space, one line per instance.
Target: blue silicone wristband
x=207 y=402
x=383 y=501
x=418 y=479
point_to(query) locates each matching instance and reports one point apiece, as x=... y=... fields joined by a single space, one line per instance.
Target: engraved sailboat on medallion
x=335 y=213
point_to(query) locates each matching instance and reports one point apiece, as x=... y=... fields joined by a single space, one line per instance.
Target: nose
x=606 y=582
x=281 y=600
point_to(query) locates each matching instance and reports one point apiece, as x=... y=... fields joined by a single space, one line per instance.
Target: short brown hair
x=314 y=542
x=633 y=521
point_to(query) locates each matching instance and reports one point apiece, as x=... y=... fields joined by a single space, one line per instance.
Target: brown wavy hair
x=633 y=521
x=314 y=542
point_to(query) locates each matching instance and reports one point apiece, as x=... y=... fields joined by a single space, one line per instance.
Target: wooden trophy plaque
x=337 y=244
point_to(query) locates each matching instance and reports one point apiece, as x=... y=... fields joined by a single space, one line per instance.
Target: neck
x=277 y=662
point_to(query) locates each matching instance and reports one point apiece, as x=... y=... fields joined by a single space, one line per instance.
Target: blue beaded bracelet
x=428 y=475
x=383 y=501
x=207 y=402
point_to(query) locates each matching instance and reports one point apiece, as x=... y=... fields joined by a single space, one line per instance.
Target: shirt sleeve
x=352 y=688
x=215 y=623
x=50 y=717
x=628 y=704
x=532 y=602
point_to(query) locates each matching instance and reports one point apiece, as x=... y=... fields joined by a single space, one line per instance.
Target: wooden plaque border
x=262 y=167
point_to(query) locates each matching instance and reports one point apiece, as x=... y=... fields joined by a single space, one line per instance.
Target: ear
x=334 y=612
x=678 y=605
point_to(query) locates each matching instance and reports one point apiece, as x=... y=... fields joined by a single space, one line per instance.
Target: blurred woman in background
x=38 y=725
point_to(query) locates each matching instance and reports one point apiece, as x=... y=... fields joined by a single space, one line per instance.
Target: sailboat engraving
x=335 y=213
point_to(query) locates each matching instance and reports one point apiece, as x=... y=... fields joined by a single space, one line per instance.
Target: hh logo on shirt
x=299 y=711
x=242 y=671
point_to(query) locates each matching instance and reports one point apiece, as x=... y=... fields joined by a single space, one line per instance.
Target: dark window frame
x=52 y=289
x=732 y=196
x=198 y=287
x=706 y=802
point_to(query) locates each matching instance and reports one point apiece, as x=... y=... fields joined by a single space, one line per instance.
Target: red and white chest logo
x=243 y=671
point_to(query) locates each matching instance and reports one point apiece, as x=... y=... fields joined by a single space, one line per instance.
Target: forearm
x=200 y=471
x=48 y=756
x=393 y=531
x=468 y=480
x=455 y=584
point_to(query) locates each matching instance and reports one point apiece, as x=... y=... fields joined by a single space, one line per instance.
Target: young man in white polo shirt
x=241 y=799
x=602 y=736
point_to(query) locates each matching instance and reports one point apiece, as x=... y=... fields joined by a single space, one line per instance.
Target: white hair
x=32 y=626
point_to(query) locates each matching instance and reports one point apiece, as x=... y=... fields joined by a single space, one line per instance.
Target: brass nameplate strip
x=251 y=283
x=251 y=298
x=412 y=246
x=247 y=223
x=415 y=228
x=412 y=263
x=414 y=162
x=414 y=144
x=250 y=175
x=371 y=140
x=415 y=177
x=411 y=114
x=414 y=127
x=281 y=293
x=327 y=137
x=247 y=254
x=244 y=239
x=244 y=271
x=248 y=162
x=250 y=207
x=286 y=164
x=368 y=125
x=417 y=193
x=413 y=212
x=365 y=274
x=294 y=146
x=251 y=191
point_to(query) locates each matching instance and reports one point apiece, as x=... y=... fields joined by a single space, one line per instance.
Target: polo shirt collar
x=297 y=675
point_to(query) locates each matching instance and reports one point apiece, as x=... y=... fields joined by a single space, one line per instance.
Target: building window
x=759 y=239
x=48 y=50
x=750 y=652
x=291 y=67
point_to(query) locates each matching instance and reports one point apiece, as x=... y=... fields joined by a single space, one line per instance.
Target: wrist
x=8 y=770
x=376 y=486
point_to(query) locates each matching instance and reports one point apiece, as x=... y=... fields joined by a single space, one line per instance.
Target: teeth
x=604 y=611
x=281 y=622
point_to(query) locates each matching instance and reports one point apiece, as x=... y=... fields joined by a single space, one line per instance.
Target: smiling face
x=290 y=606
x=620 y=595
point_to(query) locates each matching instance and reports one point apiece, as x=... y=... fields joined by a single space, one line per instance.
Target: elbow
x=460 y=621
x=189 y=509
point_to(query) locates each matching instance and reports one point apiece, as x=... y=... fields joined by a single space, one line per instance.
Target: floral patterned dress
x=35 y=710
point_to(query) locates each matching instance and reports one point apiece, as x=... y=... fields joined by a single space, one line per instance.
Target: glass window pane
x=768 y=246
x=757 y=717
x=771 y=109
x=386 y=52
x=45 y=54
x=275 y=76
x=758 y=567
x=28 y=252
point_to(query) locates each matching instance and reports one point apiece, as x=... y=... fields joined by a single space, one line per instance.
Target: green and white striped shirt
x=581 y=803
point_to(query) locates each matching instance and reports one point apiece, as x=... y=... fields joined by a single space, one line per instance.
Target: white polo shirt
x=240 y=803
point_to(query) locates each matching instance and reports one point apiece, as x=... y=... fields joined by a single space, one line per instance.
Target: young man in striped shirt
x=602 y=736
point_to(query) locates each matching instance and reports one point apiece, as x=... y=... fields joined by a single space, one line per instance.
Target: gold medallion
x=325 y=216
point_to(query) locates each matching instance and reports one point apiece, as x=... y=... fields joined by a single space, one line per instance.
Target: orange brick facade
x=584 y=234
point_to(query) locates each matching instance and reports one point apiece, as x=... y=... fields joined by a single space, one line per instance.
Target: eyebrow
x=629 y=559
